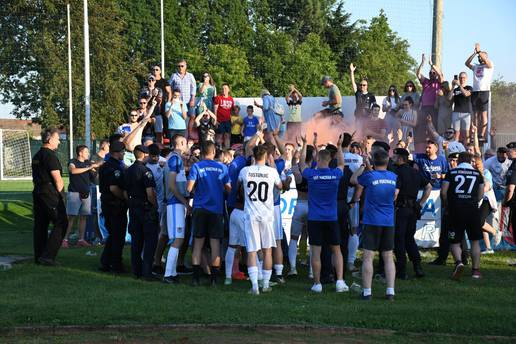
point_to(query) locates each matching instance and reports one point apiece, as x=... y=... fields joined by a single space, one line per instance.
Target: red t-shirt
x=224 y=110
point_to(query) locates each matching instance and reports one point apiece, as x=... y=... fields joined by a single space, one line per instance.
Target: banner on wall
x=427 y=230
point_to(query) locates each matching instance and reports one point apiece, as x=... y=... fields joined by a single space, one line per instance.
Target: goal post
x=15 y=155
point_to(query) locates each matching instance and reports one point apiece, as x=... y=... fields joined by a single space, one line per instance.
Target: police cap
x=511 y=145
x=141 y=148
x=116 y=146
x=453 y=155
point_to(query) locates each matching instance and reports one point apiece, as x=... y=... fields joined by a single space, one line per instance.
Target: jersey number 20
x=261 y=189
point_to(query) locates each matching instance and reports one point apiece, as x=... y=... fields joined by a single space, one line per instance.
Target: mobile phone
x=455 y=77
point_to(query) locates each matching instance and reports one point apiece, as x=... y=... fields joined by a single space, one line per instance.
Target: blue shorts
x=223 y=128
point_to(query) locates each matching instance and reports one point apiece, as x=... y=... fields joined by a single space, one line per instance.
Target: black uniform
x=48 y=206
x=114 y=210
x=343 y=213
x=143 y=218
x=511 y=180
x=462 y=207
x=410 y=181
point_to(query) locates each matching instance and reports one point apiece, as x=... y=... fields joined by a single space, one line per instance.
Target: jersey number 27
x=461 y=180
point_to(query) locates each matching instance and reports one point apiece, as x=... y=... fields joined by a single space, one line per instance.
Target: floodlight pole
x=162 y=41
x=87 y=119
x=70 y=109
x=437 y=33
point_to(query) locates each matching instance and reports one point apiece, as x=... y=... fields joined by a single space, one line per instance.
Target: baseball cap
x=142 y=149
x=501 y=150
x=116 y=146
x=325 y=78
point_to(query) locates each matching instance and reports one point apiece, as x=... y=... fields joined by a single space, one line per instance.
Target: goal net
x=15 y=155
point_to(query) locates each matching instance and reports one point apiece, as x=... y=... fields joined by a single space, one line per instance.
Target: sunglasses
x=392 y=90
x=450 y=132
x=410 y=86
x=143 y=103
x=134 y=115
x=363 y=85
x=156 y=69
x=181 y=66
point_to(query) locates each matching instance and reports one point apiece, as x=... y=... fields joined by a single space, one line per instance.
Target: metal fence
x=63 y=152
x=501 y=139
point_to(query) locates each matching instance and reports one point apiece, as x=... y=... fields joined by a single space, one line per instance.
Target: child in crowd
x=251 y=123
x=236 y=125
x=206 y=122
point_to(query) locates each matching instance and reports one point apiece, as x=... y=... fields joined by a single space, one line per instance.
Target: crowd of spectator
x=182 y=132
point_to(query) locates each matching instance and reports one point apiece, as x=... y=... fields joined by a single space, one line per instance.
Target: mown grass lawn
x=77 y=294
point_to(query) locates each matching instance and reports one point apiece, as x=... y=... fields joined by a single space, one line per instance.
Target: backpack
x=278 y=108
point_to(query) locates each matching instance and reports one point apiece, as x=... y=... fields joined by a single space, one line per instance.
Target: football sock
x=230 y=257
x=170 y=269
x=278 y=268
x=253 y=276
x=266 y=278
x=292 y=254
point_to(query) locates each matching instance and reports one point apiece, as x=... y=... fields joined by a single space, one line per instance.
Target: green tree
x=33 y=75
x=341 y=36
x=383 y=56
x=229 y=64
x=503 y=103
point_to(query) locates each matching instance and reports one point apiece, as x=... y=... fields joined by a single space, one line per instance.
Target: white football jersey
x=258 y=182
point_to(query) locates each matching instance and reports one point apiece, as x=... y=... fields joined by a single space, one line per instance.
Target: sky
x=490 y=23
x=465 y=22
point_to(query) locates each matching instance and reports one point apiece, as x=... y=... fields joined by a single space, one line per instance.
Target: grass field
x=426 y=310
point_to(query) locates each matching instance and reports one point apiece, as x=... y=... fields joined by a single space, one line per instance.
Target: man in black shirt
x=111 y=178
x=48 y=202
x=408 y=210
x=461 y=116
x=461 y=191
x=364 y=98
x=78 y=200
x=510 y=196
x=143 y=214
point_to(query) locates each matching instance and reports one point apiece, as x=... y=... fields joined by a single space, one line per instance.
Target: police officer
x=114 y=209
x=408 y=210
x=143 y=214
x=48 y=203
x=510 y=194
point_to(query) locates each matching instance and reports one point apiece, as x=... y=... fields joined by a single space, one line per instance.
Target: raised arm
x=431 y=128
x=340 y=155
x=486 y=59
x=471 y=57
x=436 y=69
x=278 y=141
x=302 y=158
x=352 y=69
x=418 y=71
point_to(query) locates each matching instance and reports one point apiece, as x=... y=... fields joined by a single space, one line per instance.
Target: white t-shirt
x=353 y=161
x=259 y=182
x=482 y=77
x=498 y=169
